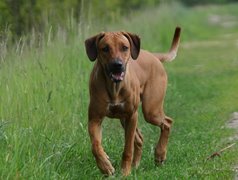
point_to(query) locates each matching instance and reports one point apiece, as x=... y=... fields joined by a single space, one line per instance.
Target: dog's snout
x=117 y=64
x=116 y=70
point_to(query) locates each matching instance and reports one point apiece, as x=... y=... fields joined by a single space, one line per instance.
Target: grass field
x=44 y=97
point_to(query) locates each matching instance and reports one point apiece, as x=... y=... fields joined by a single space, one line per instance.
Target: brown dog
x=122 y=76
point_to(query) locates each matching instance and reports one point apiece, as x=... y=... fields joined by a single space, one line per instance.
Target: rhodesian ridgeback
x=123 y=76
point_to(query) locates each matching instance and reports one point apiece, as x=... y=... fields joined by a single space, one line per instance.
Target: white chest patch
x=120 y=105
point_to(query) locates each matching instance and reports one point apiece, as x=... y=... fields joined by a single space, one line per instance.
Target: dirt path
x=233 y=123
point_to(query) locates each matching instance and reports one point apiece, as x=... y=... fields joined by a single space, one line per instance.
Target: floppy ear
x=91 y=46
x=135 y=44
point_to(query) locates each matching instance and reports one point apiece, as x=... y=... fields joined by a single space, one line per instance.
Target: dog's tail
x=170 y=56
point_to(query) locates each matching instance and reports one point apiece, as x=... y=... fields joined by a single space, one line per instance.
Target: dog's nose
x=117 y=64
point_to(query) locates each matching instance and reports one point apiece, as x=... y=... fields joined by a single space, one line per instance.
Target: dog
x=123 y=76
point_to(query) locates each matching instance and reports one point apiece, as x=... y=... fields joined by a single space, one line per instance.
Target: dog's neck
x=115 y=90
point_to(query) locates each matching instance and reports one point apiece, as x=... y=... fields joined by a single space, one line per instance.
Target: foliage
x=22 y=16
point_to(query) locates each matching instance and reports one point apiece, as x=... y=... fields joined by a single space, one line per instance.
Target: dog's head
x=113 y=50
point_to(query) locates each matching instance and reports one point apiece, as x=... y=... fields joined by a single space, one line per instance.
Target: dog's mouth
x=117 y=76
x=116 y=71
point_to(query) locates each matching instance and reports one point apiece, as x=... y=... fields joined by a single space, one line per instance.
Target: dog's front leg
x=95 y=132
x=130 y=128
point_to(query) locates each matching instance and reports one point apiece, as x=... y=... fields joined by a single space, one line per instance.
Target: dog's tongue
x=118 y=76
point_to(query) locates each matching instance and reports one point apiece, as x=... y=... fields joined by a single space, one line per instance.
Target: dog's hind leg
x=152 y=107
x=161 y=147
x=165 y=124
x=137 y=148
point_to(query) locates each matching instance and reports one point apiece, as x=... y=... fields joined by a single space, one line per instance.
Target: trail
x=233 y=123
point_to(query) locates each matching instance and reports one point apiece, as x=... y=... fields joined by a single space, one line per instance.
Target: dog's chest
x=115 y=109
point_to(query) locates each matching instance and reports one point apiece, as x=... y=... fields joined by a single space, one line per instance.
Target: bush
x=21 y=16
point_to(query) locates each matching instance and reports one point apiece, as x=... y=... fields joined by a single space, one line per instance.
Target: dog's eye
x=124 y=48
x=105 y=49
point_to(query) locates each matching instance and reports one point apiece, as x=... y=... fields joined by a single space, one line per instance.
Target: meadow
x=44 y=98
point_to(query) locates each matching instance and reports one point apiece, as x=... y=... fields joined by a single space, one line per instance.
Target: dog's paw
x=135 y=164
x=159 y=162
x=136 y=161
x=105 y=166
x=160 y=158
x=126 y=171
x=126 y=168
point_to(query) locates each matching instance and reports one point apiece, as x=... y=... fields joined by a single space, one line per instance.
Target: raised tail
x=170 y=56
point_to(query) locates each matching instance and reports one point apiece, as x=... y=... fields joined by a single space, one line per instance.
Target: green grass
x=44 y=97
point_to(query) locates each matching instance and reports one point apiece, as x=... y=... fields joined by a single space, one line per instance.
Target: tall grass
x=44 y=97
